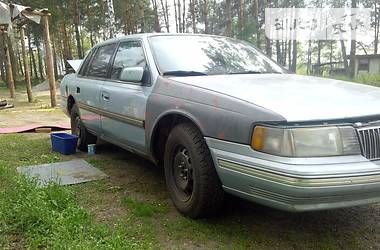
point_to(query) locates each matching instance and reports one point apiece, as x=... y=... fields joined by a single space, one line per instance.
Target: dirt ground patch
x=24 y=113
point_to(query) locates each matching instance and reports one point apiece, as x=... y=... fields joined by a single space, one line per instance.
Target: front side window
x=209 y=55
x=129 y=55
x=100 y=62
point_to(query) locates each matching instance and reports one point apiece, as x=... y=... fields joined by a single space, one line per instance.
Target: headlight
x=306 y=142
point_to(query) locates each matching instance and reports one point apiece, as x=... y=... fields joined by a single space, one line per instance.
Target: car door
x=124 y=102
x=88 y=85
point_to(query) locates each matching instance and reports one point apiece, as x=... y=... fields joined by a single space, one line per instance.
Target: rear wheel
x=191 y=178
x=78 y=128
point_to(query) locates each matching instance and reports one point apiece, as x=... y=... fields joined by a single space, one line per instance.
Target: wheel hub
x=183 y=171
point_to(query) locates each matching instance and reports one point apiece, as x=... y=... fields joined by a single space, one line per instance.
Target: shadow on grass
x=239 y=223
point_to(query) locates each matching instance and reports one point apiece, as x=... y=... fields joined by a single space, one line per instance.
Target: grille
x=369 y=139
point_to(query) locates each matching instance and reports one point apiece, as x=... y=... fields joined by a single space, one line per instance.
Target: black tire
x=191 y=177
x=78 y=128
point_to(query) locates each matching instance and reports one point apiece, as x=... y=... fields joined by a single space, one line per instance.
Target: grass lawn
x=51 y=217
x=93 y=215
x=131 y=210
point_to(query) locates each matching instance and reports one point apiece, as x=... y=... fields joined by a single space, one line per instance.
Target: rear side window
x=99 y=64
x=84 y=67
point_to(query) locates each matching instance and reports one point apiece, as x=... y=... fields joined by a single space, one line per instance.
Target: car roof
x=146 y=35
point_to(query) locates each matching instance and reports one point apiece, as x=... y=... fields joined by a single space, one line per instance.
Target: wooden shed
x=369 y=64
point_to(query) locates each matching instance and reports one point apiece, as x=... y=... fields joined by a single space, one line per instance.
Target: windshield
x=208 y=55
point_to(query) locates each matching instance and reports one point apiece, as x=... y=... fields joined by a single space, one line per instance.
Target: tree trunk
x=268 y=47
x=59 y=66
x=283 y=54
x=142 y=16
x=165 y=11
x=92 y=39
x=2 y=71
x=290 y=55
x=32 y=59
x=8 y=67
x=241 y=19
x=176 y=17
x=127 y=21
x=179 y=16
x=2 y=57
x=268 y=42
x=294 y=57
x=49 y=62
x=353 y=46
x=157 y=26
x=14 y=63
x=278 y=52
x=205 y=16
x=309 y=58
x=184 y=17
x=228 y=31
x=39 y=59
x=55 y=60
x=331 y=53
x=82 y=42
x=76 y=26
x=66 y=46
x=193 y=17
x=319 y=50
x=20 y=69
x=256 y=14
x=214 y=17
x=377 y=27
x=26 y=66
x=344 y=55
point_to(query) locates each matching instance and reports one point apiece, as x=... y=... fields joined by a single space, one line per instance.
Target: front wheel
x=191 y=178
x=77 y=128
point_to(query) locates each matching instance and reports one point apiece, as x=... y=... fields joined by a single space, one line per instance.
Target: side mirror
x=132 y=74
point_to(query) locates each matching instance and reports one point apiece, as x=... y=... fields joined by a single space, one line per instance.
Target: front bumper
x=295 y=184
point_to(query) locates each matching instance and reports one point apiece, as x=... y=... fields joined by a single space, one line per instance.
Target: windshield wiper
x=183 y=73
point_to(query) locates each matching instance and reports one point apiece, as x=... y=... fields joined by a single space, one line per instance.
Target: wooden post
x=49 y=61
x=8 y=67
x=26 y=65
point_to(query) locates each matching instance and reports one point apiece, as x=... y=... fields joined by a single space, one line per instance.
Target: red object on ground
x=32 y=128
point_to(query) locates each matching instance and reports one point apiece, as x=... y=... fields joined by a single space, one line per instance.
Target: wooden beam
x=8 y=67
x=41 y=13
x=49 y=61
x=26 y=65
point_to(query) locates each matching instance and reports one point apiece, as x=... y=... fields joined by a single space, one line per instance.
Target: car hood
x=295 y=97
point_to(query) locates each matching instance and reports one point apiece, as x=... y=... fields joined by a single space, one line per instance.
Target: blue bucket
x=64 y=143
